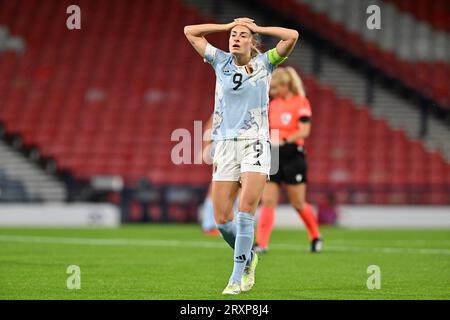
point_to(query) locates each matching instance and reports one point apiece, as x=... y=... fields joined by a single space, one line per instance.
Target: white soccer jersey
x=241 y=99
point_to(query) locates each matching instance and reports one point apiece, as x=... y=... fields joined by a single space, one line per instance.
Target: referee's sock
x=228 y=232
x=310 y=220
x=243 y=246
x=266 y=218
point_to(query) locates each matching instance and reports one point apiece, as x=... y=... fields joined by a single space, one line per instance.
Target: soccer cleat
x=232 y=288
x=248 y=278
x=259 y=250
x=316 y=245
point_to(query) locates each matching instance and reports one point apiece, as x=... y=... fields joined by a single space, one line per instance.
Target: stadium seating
x=12 y=190
x=417 y=54
x=435 y=12
x=106 y=99
x=109 y=108
x=350 y=150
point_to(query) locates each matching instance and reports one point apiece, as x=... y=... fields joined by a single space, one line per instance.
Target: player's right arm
x=196 y=34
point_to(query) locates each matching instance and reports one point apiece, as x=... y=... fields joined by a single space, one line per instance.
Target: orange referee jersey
x=285 y=115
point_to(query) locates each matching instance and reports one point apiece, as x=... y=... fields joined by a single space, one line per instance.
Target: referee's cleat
x=248 y=278
x=316 y=245
x=259 y=250
x=233 y=287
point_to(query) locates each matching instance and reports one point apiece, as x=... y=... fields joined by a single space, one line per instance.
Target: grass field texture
x=179 y=262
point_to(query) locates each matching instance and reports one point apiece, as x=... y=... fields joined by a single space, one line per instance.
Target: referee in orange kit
x=289 y=113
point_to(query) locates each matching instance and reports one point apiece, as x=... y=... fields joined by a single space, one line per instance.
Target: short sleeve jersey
x=285 y=116
x=241 y=99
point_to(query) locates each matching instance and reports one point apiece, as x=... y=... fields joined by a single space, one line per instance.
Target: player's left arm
x=288 y=38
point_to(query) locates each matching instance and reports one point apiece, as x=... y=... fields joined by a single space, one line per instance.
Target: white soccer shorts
x=233 y=157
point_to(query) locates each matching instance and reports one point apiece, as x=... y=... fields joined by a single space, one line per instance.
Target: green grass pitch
x=179 y=262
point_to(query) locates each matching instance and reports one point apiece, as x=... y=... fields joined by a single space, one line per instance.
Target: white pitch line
x=396 y=241
x=369 y=249
x=206 y=244
x=111 y=242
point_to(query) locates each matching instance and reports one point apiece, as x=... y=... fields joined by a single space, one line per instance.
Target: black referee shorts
x=292 y=166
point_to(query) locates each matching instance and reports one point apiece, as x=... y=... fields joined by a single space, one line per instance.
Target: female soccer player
x=241 y=131
x=290 y=113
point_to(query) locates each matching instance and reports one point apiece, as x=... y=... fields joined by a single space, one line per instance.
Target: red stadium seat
x=106 y=102
x=419 y=78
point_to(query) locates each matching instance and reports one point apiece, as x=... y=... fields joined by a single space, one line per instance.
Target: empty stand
x=107 y=98
x=405 y=48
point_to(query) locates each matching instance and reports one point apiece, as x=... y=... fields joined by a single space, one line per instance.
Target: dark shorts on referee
x=288 y=164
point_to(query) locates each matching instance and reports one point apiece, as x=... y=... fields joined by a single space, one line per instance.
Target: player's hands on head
x=251 y=25
x=231 y=25
x=241 y=21
x=246 y=20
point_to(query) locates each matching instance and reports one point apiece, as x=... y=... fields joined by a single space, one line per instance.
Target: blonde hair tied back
x=295 y=82
x=290 y=77
x=256 y=44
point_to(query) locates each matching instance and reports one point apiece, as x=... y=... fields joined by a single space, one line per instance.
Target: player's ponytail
x=295 y=82
x=256 y=43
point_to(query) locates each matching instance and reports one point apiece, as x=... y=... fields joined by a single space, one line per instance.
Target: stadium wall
x=376 y=217
x=105 y=215
x=59 y=215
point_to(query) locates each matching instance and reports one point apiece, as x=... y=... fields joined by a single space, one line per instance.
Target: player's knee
x=248 y=206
